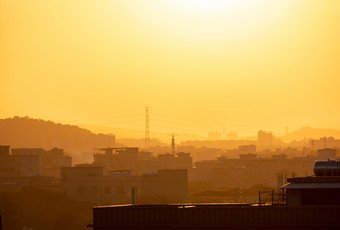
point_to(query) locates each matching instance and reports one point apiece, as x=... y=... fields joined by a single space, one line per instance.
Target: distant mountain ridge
x=25 y=132
x=311 y=133
x=29 y=132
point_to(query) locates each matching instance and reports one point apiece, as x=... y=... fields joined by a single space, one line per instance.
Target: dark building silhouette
x=322 y=189
x=313 y=203
x=213 y=216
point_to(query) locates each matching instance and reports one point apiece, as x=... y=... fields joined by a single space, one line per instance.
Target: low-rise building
x=49 y=161
x=20 y=164
x=88 y=183
x=52 y=160
x=138 y=162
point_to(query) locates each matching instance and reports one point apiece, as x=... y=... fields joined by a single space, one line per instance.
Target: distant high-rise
x=265 y=138
x=173 y=150
x=214 y=136
x=232 y=135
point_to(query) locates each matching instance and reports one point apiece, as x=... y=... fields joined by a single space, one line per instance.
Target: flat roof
x=315 y=179
x=311 y=186
x=176 y=205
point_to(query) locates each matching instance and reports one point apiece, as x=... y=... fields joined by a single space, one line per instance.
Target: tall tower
x=173 y=151
x=147 y=131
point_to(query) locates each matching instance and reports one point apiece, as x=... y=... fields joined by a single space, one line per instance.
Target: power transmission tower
x=147 y=131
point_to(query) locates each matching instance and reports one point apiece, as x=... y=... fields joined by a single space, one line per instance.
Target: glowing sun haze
x=199 y=65
x=206 y=6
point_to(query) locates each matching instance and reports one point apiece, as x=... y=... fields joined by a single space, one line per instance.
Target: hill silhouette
x=25 y=132
x=311 y=133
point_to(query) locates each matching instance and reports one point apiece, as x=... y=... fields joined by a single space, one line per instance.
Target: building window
x=94 y=190
x=120 y=191
x=81 y=190
x=107 y=190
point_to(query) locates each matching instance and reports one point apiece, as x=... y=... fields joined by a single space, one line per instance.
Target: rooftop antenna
x=133 y=197
x=147 y=131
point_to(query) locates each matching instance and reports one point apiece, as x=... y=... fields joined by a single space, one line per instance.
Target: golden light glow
x=209 y=21
x=208 y=6
x=241 y=64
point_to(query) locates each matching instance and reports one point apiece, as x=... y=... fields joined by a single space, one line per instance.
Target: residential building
x=88 y=183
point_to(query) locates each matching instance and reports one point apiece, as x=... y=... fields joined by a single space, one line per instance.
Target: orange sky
x=198 y=65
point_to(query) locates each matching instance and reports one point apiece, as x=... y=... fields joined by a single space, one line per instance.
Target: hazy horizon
x=303 y=133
